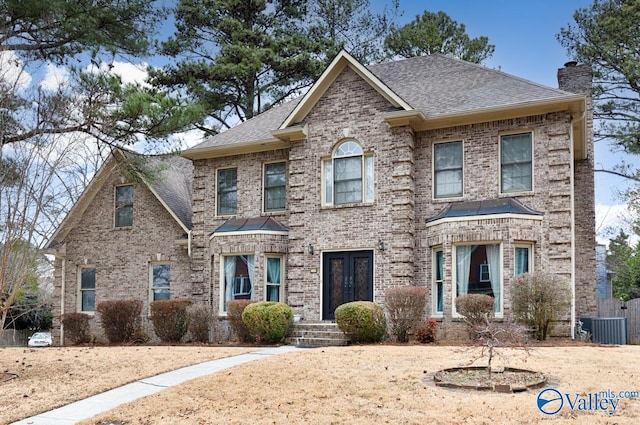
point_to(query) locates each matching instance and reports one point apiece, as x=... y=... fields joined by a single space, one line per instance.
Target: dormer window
x=348 y=175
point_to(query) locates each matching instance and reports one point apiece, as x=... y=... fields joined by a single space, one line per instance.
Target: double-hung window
x=274 y=279
x=124 y=206
x=447 y=169
x=227 y=191
x=523 y=258
x=160 y=281
x=275 y=186
x=438 y=278
x=87 y=289
x=348 y=175
x=516 y=164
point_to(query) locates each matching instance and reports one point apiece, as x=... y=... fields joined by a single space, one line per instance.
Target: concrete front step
x=323 y=334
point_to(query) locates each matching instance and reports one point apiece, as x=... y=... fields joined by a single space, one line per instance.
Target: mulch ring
x=6 y=376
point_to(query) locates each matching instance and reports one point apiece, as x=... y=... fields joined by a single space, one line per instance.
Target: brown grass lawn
x=344 y=385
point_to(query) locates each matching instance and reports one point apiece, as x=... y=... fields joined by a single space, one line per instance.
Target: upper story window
x=227 y=191
x=87 y=298
x=447 y=170
x=348 y=175
x=275 y=186
x=124 y=206
x=516 y=169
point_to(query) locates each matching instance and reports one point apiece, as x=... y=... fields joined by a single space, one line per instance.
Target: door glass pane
x=361 y=279
x=336 y=282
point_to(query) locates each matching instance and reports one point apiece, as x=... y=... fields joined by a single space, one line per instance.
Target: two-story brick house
x=428 y=171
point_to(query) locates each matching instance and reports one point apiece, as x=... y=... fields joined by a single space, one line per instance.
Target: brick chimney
x=575 y=78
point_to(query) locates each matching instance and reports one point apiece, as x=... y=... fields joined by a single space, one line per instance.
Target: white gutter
x=63 y=272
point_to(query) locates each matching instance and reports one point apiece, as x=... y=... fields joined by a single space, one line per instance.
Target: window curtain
x=249 y=261
x=463 y=267
x=493 y=258
x=273 y=278
x=522 y=260
x=440 y=289
x=229 y=276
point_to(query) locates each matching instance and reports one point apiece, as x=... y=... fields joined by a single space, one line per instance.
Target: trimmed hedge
x=200 y=319
x=362 y=321
x=76 y=327
x=170 y=319
x=234 y=314
x=268 y=321
x=121 y=319
x=406 y=307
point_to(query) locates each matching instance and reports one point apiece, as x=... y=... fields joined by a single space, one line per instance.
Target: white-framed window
x=275 y=186
x=226 y=191
x=516 y=162
x=274 y=274
x=523 y=258
x=448 y=169
x=437 y=289
x=478 y=271
x=160 y=281
x=348 y=175
x=123 y=208
x=237 y=278
x=87 y=289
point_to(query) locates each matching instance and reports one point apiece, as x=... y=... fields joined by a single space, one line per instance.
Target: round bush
x=268 y=321
x=362 y=321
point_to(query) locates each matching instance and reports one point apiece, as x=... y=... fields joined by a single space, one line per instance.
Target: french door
x=347 y=276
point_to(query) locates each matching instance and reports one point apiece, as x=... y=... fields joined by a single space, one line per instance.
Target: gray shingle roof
x=173 y=184
x=435 y=85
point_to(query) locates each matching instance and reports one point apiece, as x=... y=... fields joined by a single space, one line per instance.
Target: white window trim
x=528 y=245
x=115 y=208
x=434 y=283
x=433 y=172
x=454 y=277
x=282 y=275
x=264 y=186
x=155 y=263
x=215 y=189
x=366 y=155
x=533 y=165
x=80 y=290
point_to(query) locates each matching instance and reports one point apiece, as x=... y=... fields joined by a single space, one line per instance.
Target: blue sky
x=524 y=34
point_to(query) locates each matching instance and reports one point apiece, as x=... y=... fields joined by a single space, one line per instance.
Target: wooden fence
x=13 y=338
x=611 y=307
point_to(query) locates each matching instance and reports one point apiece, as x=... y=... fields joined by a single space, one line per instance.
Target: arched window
x=348 y=175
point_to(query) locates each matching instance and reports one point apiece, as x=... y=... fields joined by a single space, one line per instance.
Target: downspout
x=63 y=272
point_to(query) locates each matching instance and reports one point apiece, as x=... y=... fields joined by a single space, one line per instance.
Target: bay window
x=478 y=271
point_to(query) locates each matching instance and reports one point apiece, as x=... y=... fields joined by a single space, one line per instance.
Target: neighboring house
x=427 y=171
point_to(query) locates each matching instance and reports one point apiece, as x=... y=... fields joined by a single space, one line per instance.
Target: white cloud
x=610 y=219
x=54 y=77
x=12 y=70
x=129 y=72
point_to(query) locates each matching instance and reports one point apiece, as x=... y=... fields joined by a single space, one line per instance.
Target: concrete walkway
x=87 y=408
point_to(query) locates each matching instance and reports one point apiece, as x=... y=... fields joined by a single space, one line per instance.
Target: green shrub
x=427 y=332
x=76 y=327
x=362 y=321
x=121 y=320
x=476 y=309
x=538 y=300
x=268 y=321
x=406 y=308
x=170 y=319
x=234 y=314
x=200 y=319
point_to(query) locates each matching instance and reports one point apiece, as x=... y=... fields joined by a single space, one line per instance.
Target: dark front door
x=347 y=276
